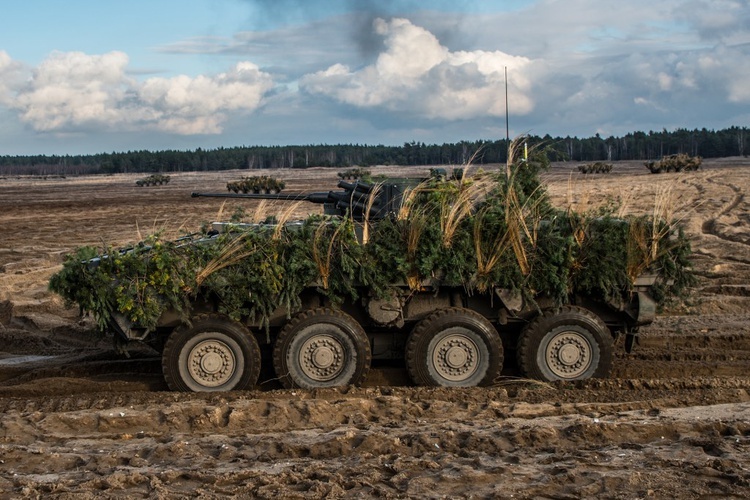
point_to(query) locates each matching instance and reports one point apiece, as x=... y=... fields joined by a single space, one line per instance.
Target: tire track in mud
x=364 y=444
x=722 y=252
x=681 y=347
x=709 y=225
x=708 y=222
x=629 y=389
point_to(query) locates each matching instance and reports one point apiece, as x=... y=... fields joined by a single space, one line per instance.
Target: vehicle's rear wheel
x=322 y=348
x=567 y=344
x=454 y=347
x=213 y=354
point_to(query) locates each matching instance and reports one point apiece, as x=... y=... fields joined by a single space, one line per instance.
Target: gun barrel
x=311 y=197
x=355 y=199
x=355 y=186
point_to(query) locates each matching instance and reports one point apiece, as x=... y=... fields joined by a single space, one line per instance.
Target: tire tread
x=424 y=329
x=537 y=328
x=360 y=339
x=175 y=340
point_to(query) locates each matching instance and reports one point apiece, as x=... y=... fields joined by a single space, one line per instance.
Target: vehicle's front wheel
x=322 y=348
x=567 y=344
x=213 y=354
x=454 y=347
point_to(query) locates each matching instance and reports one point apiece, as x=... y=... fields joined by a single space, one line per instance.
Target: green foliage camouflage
x=484 y=231
x=597 y=167
x=675 y=163
x=355 y=173
x=256 y=184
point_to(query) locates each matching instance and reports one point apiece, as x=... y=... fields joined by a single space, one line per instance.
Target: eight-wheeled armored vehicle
x=449 y=277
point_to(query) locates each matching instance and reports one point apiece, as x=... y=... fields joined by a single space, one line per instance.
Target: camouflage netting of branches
x=484 y=231
x=256 y=184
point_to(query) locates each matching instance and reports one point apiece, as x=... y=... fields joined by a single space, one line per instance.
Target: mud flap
x=646 y=309
x=631 y=340
x=121 y=326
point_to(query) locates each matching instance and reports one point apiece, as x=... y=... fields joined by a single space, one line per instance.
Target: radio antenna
x=507 y=127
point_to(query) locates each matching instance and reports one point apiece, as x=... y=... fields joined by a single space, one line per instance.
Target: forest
x=650 y=145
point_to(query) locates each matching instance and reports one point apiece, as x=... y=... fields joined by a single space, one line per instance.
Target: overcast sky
x=89 y=76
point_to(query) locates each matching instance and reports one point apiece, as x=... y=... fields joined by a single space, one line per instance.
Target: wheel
x=454 y=347
x=568 y=344
x=214 y=354
x=321 y=348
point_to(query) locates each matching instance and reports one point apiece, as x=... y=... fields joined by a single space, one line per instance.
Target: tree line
x=733 y=141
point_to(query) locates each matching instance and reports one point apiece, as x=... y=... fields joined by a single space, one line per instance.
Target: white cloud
x=76 y=91
x=734 y=72
x=716 y=19
x=73 y=89
x=417 y=75
x=199 y=105
x=10 y=77
x=665 y=81
x=719 y=73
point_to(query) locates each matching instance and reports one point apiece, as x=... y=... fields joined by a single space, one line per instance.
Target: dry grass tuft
x=232 y=253
x=409 y=200
x=285 y=216
x=522 y=220
x=261 y=212
x=414 y=229
x=575 y=200
x=647 y=243
x=488 y=256
x=414 y=218
x=453 y=210
x=220 y=214
x=371 y=199
x=323 y=262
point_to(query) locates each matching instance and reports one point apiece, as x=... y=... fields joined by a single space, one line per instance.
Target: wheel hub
x=211 y=363
x=322 y=358
x=455 y=357
x=568 y=355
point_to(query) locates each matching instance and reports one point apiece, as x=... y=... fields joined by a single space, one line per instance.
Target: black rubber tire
x=213 y=354
x=570 y=343
x=322 y=348
x=454 y=347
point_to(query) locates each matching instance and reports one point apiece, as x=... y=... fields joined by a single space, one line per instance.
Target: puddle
x=19 y=360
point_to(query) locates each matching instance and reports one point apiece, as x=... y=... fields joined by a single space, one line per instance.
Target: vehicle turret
x=358 y=199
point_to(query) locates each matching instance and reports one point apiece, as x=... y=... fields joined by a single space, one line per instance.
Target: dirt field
x=79 y=421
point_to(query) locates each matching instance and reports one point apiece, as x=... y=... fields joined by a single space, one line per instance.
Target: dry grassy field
x=80 y=421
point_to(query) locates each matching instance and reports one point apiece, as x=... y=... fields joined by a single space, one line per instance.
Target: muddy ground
x=80 y=421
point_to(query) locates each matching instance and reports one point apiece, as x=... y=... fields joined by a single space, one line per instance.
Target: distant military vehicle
x=256 y=184
x=153 y=180
x=675 y=163
x=595 y=168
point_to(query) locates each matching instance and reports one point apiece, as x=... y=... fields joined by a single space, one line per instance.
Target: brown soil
x=80 y=420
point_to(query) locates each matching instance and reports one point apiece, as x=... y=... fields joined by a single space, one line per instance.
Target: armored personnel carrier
x=597 y=167
x=453 y=278
x=675 y=163
x=153 y=180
